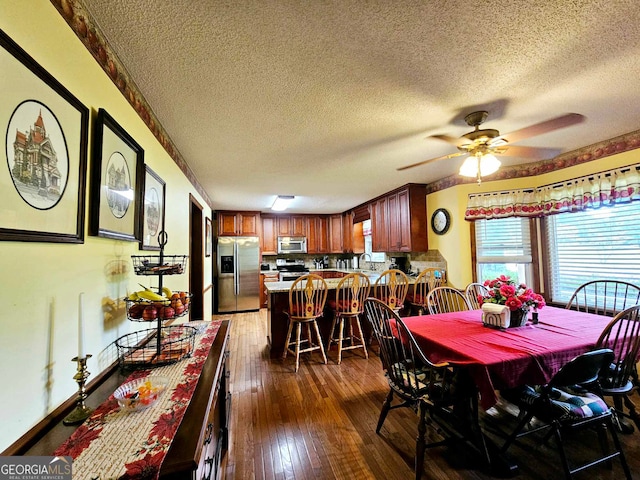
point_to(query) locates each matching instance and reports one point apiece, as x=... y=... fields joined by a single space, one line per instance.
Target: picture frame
x=42 y=194
x=117 y=176
x=152 y=210
x=208 y=237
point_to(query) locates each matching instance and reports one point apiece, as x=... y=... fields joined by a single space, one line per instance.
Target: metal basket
x=146 y=349
x=136 y=307
x=159 y=264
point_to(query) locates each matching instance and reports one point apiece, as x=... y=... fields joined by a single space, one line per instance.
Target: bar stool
x=349 y=305
x=391 y=288
x=427 y=280
x=307 y=297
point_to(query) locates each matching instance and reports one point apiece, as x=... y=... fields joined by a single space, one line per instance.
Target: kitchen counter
x=332 y=283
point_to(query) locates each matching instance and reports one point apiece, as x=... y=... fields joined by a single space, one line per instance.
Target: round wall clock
x=440 y=221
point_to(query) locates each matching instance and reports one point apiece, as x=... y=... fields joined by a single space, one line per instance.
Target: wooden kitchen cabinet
x=292 y=225
x=335 y=234
x=317 y=234
x=238 y=223
x=379 y=226
x=269 y=237
x=399 y=221
x=347 y=232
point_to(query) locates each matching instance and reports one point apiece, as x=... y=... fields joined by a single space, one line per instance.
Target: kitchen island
x=278 y=304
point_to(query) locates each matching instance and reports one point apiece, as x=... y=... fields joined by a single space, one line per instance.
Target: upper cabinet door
x=227 y=224
x=292 y=226
x=238 y=224
x=269 y=237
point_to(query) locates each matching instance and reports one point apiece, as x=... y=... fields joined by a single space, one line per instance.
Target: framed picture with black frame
x=42 y=180
x=208 y=237
x=153 y=211
x=117 y=177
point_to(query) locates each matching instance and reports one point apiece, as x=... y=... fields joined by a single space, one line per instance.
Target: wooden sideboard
x=202 y=439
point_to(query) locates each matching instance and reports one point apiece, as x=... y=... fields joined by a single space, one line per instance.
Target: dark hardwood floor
x=320 y=423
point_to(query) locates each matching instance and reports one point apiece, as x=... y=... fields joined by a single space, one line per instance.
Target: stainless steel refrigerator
x=238 y=274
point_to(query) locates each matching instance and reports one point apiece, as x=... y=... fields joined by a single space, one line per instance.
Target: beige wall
x=40 y=282
x=455 y=244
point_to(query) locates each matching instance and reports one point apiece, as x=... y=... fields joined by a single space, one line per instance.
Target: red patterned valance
x=594 y=191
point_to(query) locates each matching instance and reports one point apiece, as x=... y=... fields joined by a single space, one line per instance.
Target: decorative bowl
x=140 y=394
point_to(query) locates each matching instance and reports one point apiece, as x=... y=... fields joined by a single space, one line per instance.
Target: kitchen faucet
x=363 y=256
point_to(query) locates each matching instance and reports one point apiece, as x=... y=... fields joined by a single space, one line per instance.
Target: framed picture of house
x=117 y=177
x=42 y=175
x=208 y=237
x=152 y=215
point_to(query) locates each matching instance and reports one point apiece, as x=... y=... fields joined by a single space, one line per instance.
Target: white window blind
x=503 y=247
x=595 y=244
x=503 y=240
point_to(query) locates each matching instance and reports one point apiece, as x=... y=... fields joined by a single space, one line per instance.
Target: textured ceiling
x=325 y=99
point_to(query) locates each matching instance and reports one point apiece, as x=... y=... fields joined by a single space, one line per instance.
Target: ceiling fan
x=482 y=145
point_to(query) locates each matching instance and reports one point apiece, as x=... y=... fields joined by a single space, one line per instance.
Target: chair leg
x=324 y=357
x=331 y=332
x=420 y=443
x=288 y=341
x=563 y=455
x=340 y=337
x=525 y=419
x=386 y=406
x=618 y=418
x=298 y=332
x=364 y=347
x=616 y=443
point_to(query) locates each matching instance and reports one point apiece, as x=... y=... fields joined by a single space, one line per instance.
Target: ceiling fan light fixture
x=479 y=165
x=282 y=202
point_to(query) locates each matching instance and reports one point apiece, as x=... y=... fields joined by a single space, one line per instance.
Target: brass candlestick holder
x=81 y=412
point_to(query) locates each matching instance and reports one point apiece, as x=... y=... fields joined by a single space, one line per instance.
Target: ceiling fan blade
x=544 y=127
x=424 y=162
x=446 y=138
x=528 y=152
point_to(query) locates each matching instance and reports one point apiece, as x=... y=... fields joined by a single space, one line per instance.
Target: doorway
x=196 y=261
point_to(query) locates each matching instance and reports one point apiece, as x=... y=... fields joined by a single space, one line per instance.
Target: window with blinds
x=503 y=247
x=595 y=244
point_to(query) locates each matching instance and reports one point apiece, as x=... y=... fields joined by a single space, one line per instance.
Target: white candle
x=81 y=353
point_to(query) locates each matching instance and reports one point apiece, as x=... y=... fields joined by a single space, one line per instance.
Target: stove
x=290 y=268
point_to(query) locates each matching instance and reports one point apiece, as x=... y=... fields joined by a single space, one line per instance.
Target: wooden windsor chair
x=307 y=298
x=348 y=307
x=427 y=280
x=446 y=299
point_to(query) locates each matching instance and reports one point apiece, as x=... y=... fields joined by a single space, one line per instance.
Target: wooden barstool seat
x=347 y=309
x=307 y=297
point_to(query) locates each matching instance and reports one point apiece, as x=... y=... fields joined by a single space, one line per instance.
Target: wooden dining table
x=498 y=359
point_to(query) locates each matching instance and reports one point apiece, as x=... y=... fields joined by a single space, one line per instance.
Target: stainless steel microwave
x=292 y=244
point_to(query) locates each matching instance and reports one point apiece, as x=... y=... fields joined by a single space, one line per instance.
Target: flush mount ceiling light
x=479 y=165
x=282 y=202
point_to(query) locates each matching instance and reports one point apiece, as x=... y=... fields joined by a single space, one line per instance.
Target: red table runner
x=497 y=359
x=114 y=444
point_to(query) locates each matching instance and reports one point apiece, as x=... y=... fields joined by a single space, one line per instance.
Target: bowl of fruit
x=140 y=394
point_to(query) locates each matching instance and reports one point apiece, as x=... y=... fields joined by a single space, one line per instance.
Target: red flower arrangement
x=504 y=291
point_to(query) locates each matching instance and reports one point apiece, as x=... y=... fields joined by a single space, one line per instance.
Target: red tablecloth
x=507 y=358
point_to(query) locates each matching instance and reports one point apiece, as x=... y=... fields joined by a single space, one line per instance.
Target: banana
x=149 y=295
x=133 y=296
x=166 y=291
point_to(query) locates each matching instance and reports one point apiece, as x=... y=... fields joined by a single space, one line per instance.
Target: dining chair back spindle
x=604 y=297
x=446 y=299
x=307 y=298
x=473 y=292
